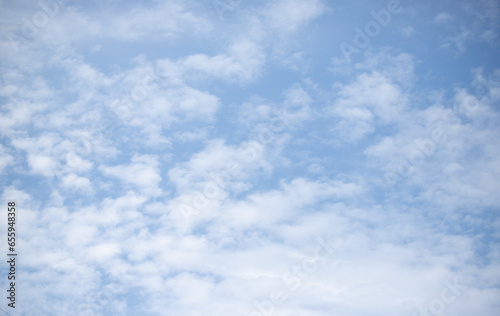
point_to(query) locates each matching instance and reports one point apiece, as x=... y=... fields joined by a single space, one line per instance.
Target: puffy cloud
x=142 y=173
x=288 y=16
x=242 y=63
x=366 y=103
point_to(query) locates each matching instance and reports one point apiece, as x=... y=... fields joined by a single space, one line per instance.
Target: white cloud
x=288 y=16
x=243 y=62
x=43 y=165
x=73 y=181
x=359 y=106
x=73 y=23
x=76 y=163
x=5 y=159
x=80 y=234
x=443 y=17
x=141 y=173
x=457 y=43
x=261 y=210
x=103 y=252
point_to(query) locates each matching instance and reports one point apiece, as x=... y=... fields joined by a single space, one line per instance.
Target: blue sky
x=234 y=158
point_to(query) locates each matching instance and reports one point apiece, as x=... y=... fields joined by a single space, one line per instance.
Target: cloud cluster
x=167 y=162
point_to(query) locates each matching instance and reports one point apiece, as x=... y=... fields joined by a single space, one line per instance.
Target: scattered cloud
x=238 y=166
